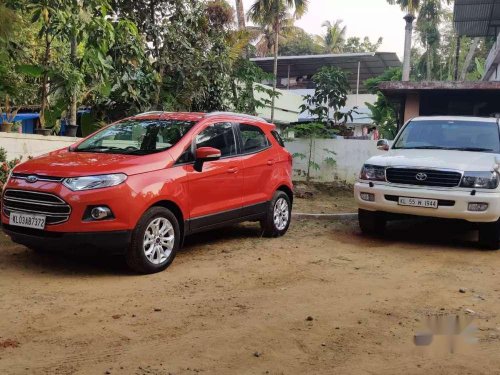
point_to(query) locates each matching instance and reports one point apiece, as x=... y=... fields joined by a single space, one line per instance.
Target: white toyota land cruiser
x=444 y=167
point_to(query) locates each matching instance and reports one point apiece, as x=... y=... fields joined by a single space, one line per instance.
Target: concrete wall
x=350 y=157
x=25 y=145
x=350 y=154
x=286 y=107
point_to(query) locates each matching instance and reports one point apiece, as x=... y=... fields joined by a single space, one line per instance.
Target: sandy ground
x=327 y=199
x=321 y=300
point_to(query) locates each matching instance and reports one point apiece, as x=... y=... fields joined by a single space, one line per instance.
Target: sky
x=373 y=18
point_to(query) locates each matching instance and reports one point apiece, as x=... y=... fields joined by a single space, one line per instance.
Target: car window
x=137 y=137
x=219 y=136
x=253 y=138
x=466 y=135
x=278 y=138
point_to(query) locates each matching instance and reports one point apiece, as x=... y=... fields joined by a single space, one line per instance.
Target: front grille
x=441 y=202
x=24 y=176
x=408 y=176
x=54 y=208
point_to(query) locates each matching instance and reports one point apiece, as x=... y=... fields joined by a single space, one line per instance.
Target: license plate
x=27 y=220
x=418 y=202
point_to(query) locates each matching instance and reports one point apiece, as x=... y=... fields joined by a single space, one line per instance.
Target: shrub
x=6 y=167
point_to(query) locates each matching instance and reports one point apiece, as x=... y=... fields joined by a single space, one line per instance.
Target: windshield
x=450 y=135
x=138 y=137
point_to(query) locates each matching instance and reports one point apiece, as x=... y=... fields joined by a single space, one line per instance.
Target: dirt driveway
x=322 y=300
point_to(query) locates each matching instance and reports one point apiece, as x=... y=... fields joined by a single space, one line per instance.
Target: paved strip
x=298 y=215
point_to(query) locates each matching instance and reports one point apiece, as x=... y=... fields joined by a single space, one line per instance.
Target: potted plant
x=10 y=115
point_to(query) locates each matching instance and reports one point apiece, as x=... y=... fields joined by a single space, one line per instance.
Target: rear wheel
x=372 y=223
x=155 y=241
x=489 y=235
x=278 y=217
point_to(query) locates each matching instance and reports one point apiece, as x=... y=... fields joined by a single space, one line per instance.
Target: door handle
x=233 y=170
x=270 y=162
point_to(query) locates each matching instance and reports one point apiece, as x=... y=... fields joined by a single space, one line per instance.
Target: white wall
x=350 y=157
x=286 y=107
x=25 y=145
x=350 y=154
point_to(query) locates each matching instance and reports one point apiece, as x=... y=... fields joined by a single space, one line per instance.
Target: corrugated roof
x=372 y=64
x=477 y=18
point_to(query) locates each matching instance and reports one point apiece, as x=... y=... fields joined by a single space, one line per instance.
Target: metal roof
x=372 y=64
x=399 y=87
x=477 y=18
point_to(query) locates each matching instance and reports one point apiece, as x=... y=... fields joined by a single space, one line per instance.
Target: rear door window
x=219 y=136
x=253 y=139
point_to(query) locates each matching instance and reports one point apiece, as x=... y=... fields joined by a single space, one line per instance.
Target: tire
x=489 y=235
x=282 y=206
x=39 y=249
x=371 y=223
x=154 y=257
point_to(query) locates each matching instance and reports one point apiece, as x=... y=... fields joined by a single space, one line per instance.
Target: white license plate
x=27 y=220
x=418 y=202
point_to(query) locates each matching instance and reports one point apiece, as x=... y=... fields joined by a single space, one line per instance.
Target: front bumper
x=115 y=242
x=459 y=209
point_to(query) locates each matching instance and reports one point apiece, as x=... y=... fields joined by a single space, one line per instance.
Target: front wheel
x=371 y=223
x=489 y=235
x=155 y=241
x=278 y=217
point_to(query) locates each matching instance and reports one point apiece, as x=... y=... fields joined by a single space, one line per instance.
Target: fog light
x=99 y=213
x=367 y=197
x=478 y=207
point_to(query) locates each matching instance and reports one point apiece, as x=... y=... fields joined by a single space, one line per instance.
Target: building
x=295 y=81
x=472 y=18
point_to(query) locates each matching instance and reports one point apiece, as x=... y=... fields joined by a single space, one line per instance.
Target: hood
x=446 y=159
x=63 y=163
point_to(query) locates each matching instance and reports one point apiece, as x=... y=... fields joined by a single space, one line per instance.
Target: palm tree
x=411 y=7
x=334 y=38
x=240 y=14
x=269 y=12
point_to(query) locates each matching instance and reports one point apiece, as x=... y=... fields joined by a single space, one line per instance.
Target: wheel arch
x=287 y=190
x=176 y=210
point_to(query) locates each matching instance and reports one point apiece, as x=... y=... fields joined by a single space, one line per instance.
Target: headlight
x=480 y=180
x=94 y=182
x=372 y=172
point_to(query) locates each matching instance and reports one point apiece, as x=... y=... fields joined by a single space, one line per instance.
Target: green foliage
x=6 y=167
x=356 y=45
x=391 y=74
x=330 y=94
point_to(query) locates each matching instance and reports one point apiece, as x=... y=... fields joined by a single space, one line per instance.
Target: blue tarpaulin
x=28 y=120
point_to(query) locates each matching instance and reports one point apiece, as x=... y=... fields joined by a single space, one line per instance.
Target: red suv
x=140 y=185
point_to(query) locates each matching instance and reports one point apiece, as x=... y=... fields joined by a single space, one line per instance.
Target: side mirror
x=204 y=154
x=383 y=145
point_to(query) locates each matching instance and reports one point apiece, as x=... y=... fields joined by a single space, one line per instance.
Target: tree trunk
x=468 y=59
x=45 y=80
x=409 y=18
x=240 y=12
x=429 y=64
x=275 y=69
x=74 y=97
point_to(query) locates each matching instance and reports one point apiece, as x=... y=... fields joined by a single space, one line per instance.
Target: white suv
x=445 y=167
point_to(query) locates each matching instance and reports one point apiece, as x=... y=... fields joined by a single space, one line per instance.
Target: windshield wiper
x=98 y=149
x=425 y=148
x=479 y=149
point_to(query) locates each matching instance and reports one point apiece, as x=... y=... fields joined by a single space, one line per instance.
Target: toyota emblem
x=31 y=179
x=421 y=176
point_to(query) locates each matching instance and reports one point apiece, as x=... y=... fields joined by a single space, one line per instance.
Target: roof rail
x=150 y=113
x=255 y=118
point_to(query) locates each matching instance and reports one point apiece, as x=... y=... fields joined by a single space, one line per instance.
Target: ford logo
x=31 y=179
x=421 y=176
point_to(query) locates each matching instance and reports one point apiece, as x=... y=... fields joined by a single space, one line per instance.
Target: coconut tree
x=335 y=36
x=269 y=12
x=240 y=14
x=411 y=7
